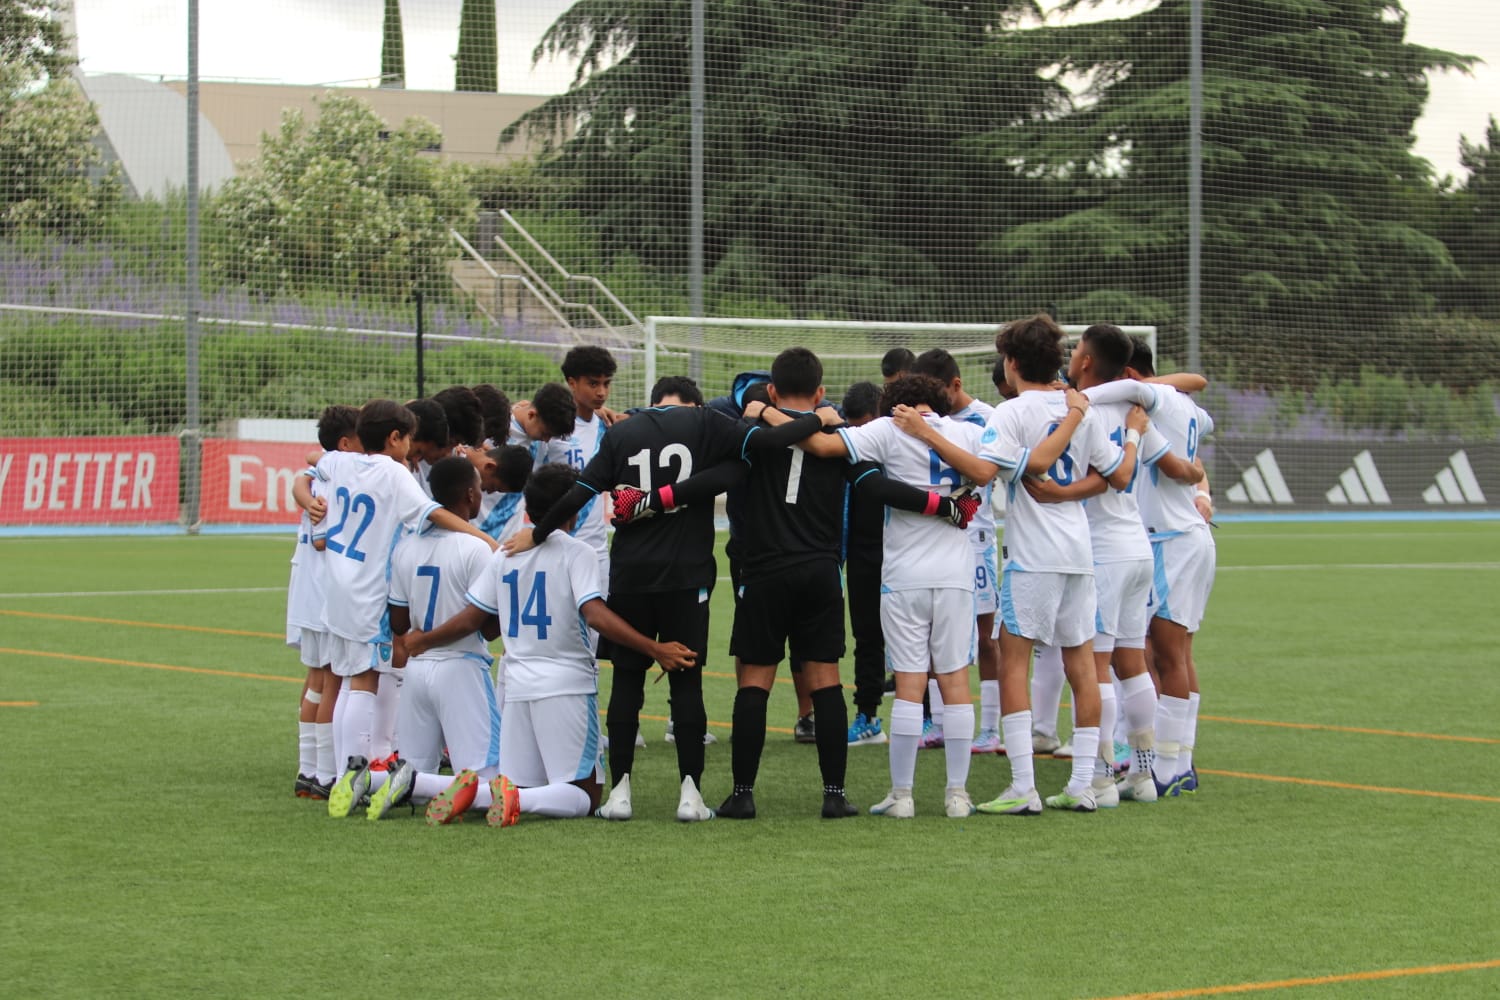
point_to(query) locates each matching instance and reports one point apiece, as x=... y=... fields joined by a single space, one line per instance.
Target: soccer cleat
x=1042 y=743
x=988 y=741
x=690 y=805
x=837 y=806
x=452 y=802
x=385 y=763
x=640 y=738
x=1083 y=802
x=963 y=505
x=617 y=806
x=1065 y=751
x=305 y=785
x=318 y=791
x=1106 y=795
x=1137 y=786
x=1167 y=789
x=865 y=731
x=395 y=792
x=1122 y=758
x=957 y=804
x=897 y=804
x=806 y=729
x=932 y=735
x=505 y=804
x=630 y=504
x=739 y=805
x=1013 y=803
x=709 y=739
x=353 y=786
x=1187 y=782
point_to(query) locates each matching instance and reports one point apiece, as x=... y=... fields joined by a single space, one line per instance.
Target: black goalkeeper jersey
x=794 y=510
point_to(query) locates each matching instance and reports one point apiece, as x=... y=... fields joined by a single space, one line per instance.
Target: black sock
x=832 y=713
x=749 y=737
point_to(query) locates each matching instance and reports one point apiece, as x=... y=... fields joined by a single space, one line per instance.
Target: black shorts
x=802 y=606
x=666 y=616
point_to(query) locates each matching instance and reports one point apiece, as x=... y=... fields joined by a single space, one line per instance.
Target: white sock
x=326 y=769
x=560 y=801
x=935 y=703
x=340 y=706
x=1171 y=713
x=906 y=733
x=426 y=786
x=378 y=778
x=1017 y=730
x=1121 y=731
x=357 y=726
x=387 y=700
x=1104 y=761
x=1137 y=704
x=307 y=747
x=989 y=705
x=1085 y=749
x=1047 y=680
x=958 y=731
x=484 y=797
x=1189 y=735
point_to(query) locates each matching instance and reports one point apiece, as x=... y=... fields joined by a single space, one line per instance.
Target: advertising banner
x=1266 y=476
x=97 y=480
x=250 y=482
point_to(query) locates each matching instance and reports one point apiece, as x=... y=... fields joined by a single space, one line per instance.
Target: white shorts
x=1123 y=590
x=552 y=740
x=1052 y=609
x=1184 y=577
x=314 y=648
x=986 y=581
x=449 y=703
x=928 y=629
x=348 y=657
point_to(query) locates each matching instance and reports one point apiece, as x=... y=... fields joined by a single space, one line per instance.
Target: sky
x=330 y=42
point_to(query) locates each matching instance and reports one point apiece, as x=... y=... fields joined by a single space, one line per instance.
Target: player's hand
x=829 y=416
x=959 y=507
x=611 y=417
x=754 y=409
x=1205 y=505
x=909 y=420
x=674 y=656
x=317 y=510
x=1076 y=399
x=415 y=643
x=520 y=542
x=1045 y=490
x=1136 y=420
x=399 y=653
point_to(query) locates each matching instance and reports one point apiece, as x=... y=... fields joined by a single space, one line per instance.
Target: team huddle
x=434 y=528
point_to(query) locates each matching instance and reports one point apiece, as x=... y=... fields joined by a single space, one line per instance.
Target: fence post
x=421 y=374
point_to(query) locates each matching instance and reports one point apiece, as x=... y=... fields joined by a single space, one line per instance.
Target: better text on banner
x=91 y=480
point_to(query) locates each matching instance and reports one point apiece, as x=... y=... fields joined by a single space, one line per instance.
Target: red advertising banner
x=250 y=482
x=101 y=480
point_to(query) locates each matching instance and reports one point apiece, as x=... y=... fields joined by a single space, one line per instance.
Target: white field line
x=146 y=593
x=1361 y=566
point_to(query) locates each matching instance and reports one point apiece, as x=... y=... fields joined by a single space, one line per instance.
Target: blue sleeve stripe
x=1153 y=459
x=394 y=602
x=480 y=604
x=590 y=596
x=1113 y=465
x=424 y=523
x=745 y=444
x=859 y=479
x=849 y=445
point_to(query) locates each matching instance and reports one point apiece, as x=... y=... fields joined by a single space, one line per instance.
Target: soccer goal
x=714 y=349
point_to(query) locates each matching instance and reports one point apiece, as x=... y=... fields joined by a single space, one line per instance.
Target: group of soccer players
x=435 y=527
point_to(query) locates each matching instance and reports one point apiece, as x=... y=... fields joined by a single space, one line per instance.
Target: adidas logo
x=1261 y=483
x=1455 y=483
x=1360 y=483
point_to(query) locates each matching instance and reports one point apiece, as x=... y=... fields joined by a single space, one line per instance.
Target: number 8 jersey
x=1045 y=537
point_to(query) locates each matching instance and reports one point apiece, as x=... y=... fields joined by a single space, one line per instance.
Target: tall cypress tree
x=392 y=48
x=478 y=48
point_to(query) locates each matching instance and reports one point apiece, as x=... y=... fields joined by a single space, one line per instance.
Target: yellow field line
x=1282 y=984
x=19 y=704
x=1282 y=779
x=1349 y=729
x=150 y=666
x=136 y=624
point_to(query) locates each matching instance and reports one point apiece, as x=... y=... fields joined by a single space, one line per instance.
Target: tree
x=1311 y=190
x=478 y=51
x=839 y=176
x=1470 y=227
x=32 y=39
x=344 y=204
x=392 y=48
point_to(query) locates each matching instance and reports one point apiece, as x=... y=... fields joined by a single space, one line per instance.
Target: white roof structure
x=145 y=131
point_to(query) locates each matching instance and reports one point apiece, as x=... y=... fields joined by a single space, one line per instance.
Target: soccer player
x=927 y=588
x=447 y=697
x=549 y=413
x=494 y=406
x=1047 y=588
x=304 y=620
x=662 y=569
x=502 y=476
x=544 y=600
x=372 y=497
x=429 y=441
x=465 y=416
x=896 y=362
x=862 y=562
x=588 y=372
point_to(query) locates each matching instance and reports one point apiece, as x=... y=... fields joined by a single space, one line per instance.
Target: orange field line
x=150 y=666
x=1350 y=729
x=1282 y=984
x=1282 y=779
x=135 y=624
x=19 y=704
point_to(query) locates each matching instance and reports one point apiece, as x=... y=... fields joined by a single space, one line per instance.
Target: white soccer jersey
x=919 y=552
x=1115 y=526
x=504 y=516
x=430 y=574
x=576 y=450
x=519 y=436
x=982 y=529
x=420 y=472
x=1166 y=505
x=370 y=499
x=537 y=596
x=304 y=592
x=1045 y=537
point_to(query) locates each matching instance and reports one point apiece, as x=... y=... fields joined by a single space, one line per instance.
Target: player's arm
x=701 y=487
x=400 y=619
x=874 y=486
x=444 y=518
x=1136 y=423
x=1204 y=500
x=792 y=431
x=561 y=513
x=1183 y=471
x=466 y=622
x=1188 y=382
x=316 y=507
x=1047 y=490
x=819 y=445
x=671 y=655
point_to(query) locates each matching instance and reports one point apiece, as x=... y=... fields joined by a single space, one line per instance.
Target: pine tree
x=478 y=52
x=392 y=48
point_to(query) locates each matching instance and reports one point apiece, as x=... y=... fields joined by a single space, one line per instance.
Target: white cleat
x=1042 y=743
x=1065 y=751
x=690 y=807
x=617 y=806
x=1137 y=786
x=1106 y=795
x=1082 y=802
x=709 y=739
x=898 y=804
x=958 y=804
